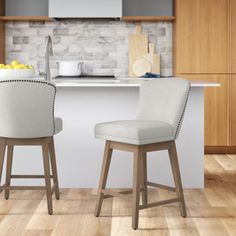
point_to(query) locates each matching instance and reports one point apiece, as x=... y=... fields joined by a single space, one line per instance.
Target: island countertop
x=124 y=82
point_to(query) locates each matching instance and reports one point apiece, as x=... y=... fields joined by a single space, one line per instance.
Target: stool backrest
x=164 y=100
x=27 y=108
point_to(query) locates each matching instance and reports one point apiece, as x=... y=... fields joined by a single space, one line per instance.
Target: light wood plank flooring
x=211 y=211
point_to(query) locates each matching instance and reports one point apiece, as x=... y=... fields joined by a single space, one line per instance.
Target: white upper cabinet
x=85 y=8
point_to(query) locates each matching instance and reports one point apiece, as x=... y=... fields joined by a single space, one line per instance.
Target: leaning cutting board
x=138 y=46
x=141 y=66
x=153 y=58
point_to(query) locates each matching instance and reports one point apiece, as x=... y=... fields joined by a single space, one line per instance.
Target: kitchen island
x=79 y=155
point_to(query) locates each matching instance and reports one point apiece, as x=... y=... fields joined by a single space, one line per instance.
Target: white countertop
x=124 y=82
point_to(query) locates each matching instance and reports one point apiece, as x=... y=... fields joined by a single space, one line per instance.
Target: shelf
x=25 y=18
x=124 y=18
x=148 y=18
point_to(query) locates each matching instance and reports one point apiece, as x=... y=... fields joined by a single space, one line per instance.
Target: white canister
x=70 y=68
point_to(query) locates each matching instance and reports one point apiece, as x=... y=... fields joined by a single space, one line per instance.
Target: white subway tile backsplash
x=101 y=44
x=20 y=40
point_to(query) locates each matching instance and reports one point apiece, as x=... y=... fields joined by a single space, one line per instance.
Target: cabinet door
x=201 y=36
x=216 y=111
x=233 y=111
x=233 y=36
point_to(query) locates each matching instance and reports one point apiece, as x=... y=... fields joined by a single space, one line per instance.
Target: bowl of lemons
x=16 y=70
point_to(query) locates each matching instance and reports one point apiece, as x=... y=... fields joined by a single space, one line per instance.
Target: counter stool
x=160 y=114
x=27 y=118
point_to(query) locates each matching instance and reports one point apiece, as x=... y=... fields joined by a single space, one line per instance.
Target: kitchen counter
x=124 y=82
x=79 y=155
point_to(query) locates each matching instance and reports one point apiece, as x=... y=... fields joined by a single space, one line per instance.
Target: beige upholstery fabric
x=27 y=109
x=58 y=125
x=160 y=113
x=135 y=131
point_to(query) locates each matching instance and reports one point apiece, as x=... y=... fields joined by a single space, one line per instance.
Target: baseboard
x=220 y=149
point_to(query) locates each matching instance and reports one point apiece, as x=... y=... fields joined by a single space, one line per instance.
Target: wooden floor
x=211 y=211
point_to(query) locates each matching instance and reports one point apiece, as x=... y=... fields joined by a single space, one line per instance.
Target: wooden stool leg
x=54 y=168
x=9 y=169
x=136 y=188
x=144 y=179
x=2 y=156
x=103 y=178
x=46 y=165
x=177 y=178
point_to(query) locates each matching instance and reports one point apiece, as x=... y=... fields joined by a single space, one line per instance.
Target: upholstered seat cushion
x=17 y=133
x=58 y=125
x=137 y=132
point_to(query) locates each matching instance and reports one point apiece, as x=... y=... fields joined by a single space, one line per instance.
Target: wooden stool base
x=49 y=158
x=140 y=182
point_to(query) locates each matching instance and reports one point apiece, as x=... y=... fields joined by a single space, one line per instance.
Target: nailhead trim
x=38 y=82
x=53 y=109
x=28 y=80
x=182 y=115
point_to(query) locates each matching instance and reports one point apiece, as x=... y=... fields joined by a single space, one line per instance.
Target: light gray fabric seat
x=160 y=112
x=135 y=131
x=27 y=109
x=58 y=125
x=27 y=118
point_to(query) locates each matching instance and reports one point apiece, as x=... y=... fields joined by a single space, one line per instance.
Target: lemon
x=15 y=62
x=20 y=66
x=16 y=67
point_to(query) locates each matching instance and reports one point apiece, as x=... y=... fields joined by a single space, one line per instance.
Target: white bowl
x=16 y=73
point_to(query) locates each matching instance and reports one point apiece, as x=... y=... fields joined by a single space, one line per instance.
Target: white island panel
x=79 y=154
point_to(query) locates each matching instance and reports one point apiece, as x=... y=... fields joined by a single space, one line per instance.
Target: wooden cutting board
x=141 y=66
x=153 y=58
x=138 y=46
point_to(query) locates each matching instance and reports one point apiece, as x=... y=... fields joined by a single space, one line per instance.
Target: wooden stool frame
x=140 y=181
x=48 y=151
